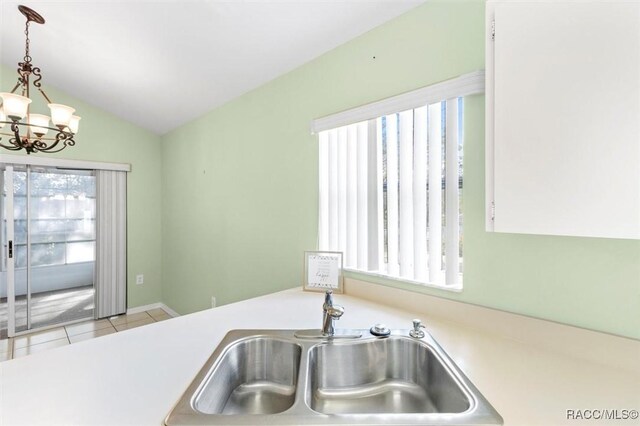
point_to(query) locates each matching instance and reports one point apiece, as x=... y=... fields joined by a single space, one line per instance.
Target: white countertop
x=135 y=377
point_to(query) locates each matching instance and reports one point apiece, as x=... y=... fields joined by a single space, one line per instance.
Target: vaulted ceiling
x=160 y=64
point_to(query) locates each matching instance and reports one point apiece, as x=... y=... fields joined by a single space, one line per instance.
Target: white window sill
x=457 y=288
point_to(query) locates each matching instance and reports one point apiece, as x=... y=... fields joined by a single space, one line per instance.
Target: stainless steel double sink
x=272 y=377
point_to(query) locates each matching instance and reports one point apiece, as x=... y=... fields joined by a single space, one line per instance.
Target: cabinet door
x=563 y=118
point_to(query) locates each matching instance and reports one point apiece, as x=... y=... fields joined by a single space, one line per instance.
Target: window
x=390 y=186
x=63 y=217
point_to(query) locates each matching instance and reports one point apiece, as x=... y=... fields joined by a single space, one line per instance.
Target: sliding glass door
x=48 y=239
x=7 y=292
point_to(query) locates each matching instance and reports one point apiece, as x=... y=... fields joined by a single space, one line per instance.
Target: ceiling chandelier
x=20 y=128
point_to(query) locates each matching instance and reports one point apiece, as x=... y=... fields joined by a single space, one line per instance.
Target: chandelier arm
x=16 y=131
x=16 y=86
x=44 y=94
x=67 y=134
x=20 y=71
x=36 y=71
x=11 y=147
x=49 y=150
x=39 y=144
x=42 y=146
x=65 y=143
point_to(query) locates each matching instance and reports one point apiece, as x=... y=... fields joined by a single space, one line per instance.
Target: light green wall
x=104 y=137
x=240 y=183
x=240 y=187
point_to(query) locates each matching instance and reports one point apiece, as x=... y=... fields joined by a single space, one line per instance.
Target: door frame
x=7 y=163
x=10 y=258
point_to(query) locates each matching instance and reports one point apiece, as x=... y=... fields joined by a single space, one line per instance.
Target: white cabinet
x=563 y=118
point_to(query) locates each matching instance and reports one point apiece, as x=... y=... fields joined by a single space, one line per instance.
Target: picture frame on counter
x=323 y=271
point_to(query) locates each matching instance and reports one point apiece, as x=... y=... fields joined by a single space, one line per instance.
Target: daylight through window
x=391 y=192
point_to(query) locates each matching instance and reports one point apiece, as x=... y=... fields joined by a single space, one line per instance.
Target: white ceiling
x=160 y=64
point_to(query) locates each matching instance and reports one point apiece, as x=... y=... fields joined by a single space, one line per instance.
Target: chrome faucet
x=329 y=314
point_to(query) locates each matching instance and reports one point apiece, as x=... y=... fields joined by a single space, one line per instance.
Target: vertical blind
x=111 y=248
x=390 y=183
x=390 y=192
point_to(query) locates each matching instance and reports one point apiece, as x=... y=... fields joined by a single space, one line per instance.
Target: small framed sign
x=322 y=271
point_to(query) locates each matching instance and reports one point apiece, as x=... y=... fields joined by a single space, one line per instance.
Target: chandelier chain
x=27 y=58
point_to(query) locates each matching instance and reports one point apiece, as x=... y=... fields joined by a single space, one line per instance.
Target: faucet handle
x=328 y=299
x=335 y=312
x=417 y=332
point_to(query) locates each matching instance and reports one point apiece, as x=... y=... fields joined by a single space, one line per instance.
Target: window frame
x=369 y=116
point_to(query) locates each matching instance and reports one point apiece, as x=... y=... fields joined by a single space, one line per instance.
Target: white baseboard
x=157 y=305
x=169 y=310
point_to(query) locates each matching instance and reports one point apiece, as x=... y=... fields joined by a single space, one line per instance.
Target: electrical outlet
x=139 y=279
x=213 y=301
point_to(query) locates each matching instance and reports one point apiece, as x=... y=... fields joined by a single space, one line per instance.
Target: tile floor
x=30 y=343
x=50 y=307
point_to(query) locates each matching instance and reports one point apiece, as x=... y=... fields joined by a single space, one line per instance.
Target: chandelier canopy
x=18 y=126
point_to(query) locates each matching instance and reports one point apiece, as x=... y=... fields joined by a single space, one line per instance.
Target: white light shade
x=61 y=114
x=15 y=106
x=3 y=117
x=74 y=123
x=39 y=124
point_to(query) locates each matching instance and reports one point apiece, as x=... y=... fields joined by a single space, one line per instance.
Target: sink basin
x=394 y=375
x=255 y=376
x=273 y=377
